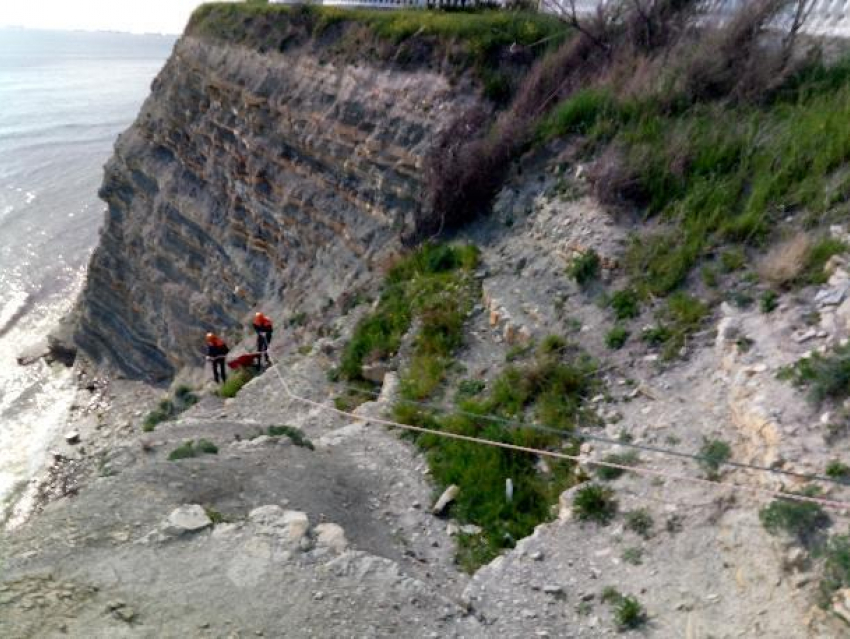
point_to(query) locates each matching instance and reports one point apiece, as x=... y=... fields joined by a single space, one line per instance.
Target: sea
x=64 y=98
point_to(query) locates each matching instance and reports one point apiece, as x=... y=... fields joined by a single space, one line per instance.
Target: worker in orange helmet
x=263 y=328
x=216 y=352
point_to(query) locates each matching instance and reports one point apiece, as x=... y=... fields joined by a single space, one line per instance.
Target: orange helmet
x=210 y=338
x=258 y=315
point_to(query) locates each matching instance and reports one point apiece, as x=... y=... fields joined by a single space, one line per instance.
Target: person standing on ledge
x=264 y=329
x=216 y=351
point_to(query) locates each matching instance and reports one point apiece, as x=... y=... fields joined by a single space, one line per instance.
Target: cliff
x=268 y=166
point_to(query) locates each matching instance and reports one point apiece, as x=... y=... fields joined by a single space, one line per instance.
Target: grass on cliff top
x=716 y=172
x=169 y=408
x=482 y=33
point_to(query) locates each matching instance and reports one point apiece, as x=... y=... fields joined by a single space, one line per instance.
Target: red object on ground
x=243 y=361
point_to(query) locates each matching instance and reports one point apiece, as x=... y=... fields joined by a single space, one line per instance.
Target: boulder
x=445 y=499
x=374 y=372
x=331 y=536
x=186 y=519
x=290 y=525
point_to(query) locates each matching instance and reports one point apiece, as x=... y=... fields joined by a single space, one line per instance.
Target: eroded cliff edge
x=254 y=176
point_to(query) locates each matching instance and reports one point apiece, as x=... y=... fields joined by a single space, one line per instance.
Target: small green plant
x=207 y=447
x=626 y=304
x=595 y=503
x=552 y=345
x=184 y=451
x=827 y=376
x=836 y=568
x=216 y=517
x=610 y=594
x=733 y=260
x=713 y=454
x=656 y=335
x=633 y=556
x=585 y=268
x=608 y=473
x=616 y=338
x=188 y=449
x=235 y=382
x=468 y=388
x=769 y=301
x=838 y=470
x=640 y=522
x=629 y=614
x=298 y=319
x=518 y=352
x=799 y=519
x=296 y=435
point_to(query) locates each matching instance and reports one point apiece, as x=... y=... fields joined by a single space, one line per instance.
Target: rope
x=776 y=494
x=607 y=440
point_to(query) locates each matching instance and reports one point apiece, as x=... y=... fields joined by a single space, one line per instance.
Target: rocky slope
x=253 y=178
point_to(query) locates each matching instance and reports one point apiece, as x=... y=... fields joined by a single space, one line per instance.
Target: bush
x=633 y=556
x=768 y=302
x=785 y=262
x=640 y=522
x=826 y=376
x=656 y=336
x=838 y=470
x=188 y=449
x=235 y=382
x=616 y=338
x=629 y=614
x=295 y=435
x=585 y=268
x=836 y=568
x=801 y=520
x=595 y=503
x=608 y=473
x=468 y=388
x=626 y=304
x=713 y=454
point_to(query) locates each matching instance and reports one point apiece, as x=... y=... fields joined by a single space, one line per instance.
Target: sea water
x=64 y=97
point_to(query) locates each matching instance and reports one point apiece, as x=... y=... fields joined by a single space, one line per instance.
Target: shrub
x=633 y=556
x=836 y=568
x=656 y=335
x=585 y=268
x=768 y=302
x=184 y=451
x=825 y=376
x=785 y=262
x=607 y=473
x=552 y=345
x=626 y=304
x=838 y=470
x=235 y=382
x=629 y=614
x=801 y=520
x=713 y=454
x=217 y=517
x=295 y=435
x=733 y=260
x=595 y=503
x=616 y=338
x=640 y=522
x=207 y=447
x=469 y=388
x=610 y=594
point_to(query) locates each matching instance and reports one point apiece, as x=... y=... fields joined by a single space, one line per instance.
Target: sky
x=146 y=16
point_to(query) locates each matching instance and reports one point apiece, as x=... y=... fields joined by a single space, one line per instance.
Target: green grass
x=801 y=520
x=835 y=556
x=633 y=556
x=714 y=453
x=629 y=614
x=235 y=382
x=595 y=503
x=617 y=337
x=433 y=284
x=168 y=409
x=479 y=39
x=625 y=304
x=188 y=449
x=607 y=473
x=825 y=376
x=295 y=435
x=838 y=470
x=768 y=302
x=719 y=186
x=585 y=268
x=640 y=522
x=549 y=389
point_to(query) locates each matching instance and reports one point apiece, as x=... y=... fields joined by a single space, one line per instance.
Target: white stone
x=186 y=519
x=446 y=498
x=331 y=536
x=471 y=529
x=291 y=525
x=73 y=437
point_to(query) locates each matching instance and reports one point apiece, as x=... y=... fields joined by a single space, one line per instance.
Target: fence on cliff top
x=828 y=18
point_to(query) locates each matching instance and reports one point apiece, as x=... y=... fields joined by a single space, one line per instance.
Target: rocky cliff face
x=252 y=178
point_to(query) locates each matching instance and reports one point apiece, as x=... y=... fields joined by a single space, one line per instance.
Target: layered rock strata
x=252 y=178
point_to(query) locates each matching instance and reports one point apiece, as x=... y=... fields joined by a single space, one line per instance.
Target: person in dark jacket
x=263 y=327
x=216 y=352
